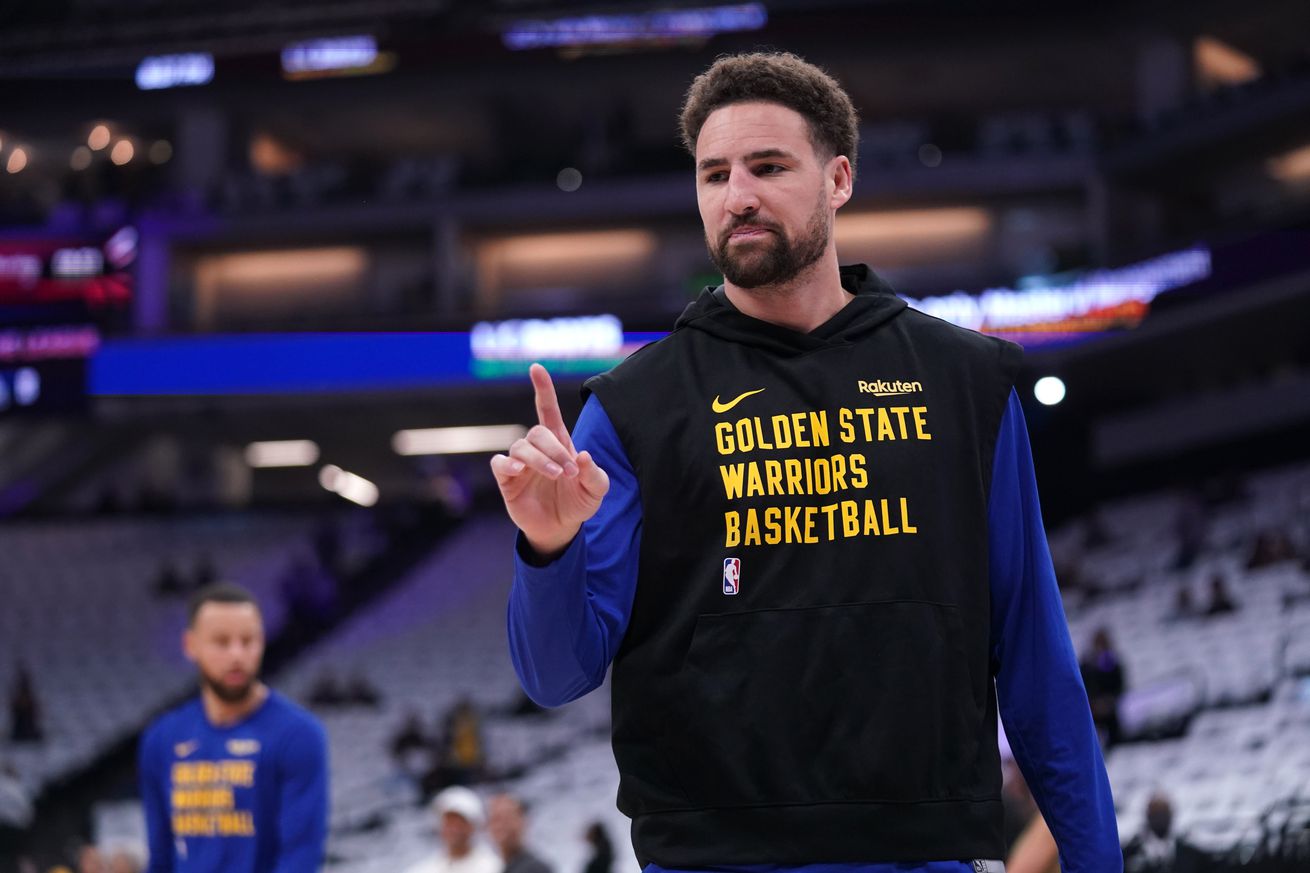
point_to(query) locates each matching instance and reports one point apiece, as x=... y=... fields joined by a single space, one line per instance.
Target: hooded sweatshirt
x=805 y=674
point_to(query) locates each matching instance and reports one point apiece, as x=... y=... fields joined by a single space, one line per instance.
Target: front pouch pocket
x=861 y=702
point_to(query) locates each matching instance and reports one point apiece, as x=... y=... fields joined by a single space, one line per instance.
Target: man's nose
x=742 y=197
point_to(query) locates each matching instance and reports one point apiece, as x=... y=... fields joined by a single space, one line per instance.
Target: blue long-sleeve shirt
x=567 y=618
x=251 y=797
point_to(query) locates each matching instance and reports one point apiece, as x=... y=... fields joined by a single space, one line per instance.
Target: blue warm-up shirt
x=567 y=619
x=251 y=797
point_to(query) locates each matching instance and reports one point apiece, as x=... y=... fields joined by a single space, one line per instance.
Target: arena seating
x=1245 y=753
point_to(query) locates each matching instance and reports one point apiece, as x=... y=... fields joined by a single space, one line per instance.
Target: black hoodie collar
x=875 y=303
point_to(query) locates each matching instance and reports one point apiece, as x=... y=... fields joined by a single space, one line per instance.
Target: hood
x=875 y=303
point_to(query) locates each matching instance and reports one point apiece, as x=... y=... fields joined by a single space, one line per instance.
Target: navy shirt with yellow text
x=244 y=798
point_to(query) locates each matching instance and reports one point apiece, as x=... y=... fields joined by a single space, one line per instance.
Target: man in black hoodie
x=804 y=530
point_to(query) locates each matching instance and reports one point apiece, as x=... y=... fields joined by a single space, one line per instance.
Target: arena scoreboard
x=57 y=297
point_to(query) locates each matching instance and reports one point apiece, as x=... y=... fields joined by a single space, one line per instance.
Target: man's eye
x=768 y=169
x=716 y=177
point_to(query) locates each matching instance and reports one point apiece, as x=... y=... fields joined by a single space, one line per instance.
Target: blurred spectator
x=310 y=594
x=169 y=581
x=1221 y=602
x=506 y=823
x=24 y=710
x=361 y=692
x=327 y=691
x=602 y=850
x=1190 y=528
x=1184 y=608
x=1103 y=675
x=414 y=756
x=206 y=574
x=462 y=753
x=16 y=812
x=410 y=736
x=90 y=860
x=1155 y=848
x=327 y=546
x=1271 y=547
x=459 y=815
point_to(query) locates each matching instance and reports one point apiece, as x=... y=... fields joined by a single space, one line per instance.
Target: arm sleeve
x=1043 y=703
x=154 y=800
x=567 y=618
x=302 y=801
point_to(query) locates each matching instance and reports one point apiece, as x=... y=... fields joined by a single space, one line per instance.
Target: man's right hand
x=548 y=487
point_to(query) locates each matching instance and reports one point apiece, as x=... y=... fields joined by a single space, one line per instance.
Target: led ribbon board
x=1100 y=301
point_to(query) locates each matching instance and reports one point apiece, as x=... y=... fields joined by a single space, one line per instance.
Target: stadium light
x=349 y=485
x=1049 y=390
x=122 y=153
x=282 y=453
x=456 y=440
x=98 y=138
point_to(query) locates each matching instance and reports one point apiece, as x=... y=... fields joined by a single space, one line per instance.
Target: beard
x=775 y=260
x=229 y=693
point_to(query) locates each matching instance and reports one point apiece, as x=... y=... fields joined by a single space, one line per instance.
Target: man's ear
x=189 y=644
x=842 y=179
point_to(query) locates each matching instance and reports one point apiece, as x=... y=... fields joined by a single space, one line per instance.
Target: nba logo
x=731 y=575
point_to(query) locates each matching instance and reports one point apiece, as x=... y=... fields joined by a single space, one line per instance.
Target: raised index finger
x=548 y=413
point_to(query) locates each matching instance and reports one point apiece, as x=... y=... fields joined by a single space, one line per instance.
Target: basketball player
x=235 y=780
x=857 y=476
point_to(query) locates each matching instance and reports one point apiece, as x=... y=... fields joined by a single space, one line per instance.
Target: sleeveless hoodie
x=806 y=674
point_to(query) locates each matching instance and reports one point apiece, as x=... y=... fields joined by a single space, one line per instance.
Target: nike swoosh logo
x=724 y=407
x=184 y=749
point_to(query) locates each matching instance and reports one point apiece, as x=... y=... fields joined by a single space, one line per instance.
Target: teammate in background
x=857 y=477
x=459 y=815
x=236 y=779
x=506 y=824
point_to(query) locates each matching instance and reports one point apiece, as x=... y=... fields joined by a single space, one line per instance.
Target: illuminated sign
x=29 y=345
x=175 y=71
x=335 y=56
x=1099 y=301
x=585 y=337
x=62 y=270
x=44 y=369
x=568 y=345
x=76 y=263
x=661 y=26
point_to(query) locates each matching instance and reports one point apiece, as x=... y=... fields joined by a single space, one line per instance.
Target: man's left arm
x=1043 y=702
x=302 y=801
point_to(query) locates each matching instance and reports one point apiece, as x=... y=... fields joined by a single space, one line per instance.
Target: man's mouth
x=748 y=232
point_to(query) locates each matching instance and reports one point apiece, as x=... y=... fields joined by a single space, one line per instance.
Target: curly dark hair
x=775 y=77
